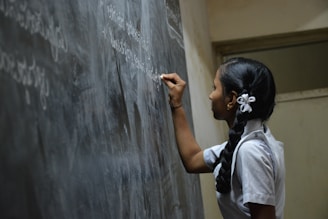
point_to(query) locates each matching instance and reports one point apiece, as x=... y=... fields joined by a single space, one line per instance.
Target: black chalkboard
x=86 y=130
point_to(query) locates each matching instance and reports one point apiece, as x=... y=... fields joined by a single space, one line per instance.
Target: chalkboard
x=86 y=130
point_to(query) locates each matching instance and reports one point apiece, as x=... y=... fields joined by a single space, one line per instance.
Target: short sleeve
x=255 y=170
x=212 y=154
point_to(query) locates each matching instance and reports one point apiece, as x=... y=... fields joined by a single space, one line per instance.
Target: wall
x=305 y=151
x=227 y=20
x=201 y=73
x=244 y=18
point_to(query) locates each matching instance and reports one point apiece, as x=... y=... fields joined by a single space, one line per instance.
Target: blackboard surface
x=85 y=128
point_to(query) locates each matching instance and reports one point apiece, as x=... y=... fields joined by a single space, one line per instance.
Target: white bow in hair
x=244 y=100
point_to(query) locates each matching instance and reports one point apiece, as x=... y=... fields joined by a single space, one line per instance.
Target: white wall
x=201 y=73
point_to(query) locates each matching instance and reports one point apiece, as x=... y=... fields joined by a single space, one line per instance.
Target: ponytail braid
x=224 y=177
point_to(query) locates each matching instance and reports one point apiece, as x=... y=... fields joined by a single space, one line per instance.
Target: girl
x=249 y=167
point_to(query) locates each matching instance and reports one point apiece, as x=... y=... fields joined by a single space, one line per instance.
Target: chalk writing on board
x=78 y=86
x=141 y=63
x=28 y=74
x=32 y=22
x=115 y=16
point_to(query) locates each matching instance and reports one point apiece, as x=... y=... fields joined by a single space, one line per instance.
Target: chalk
x=162 y=76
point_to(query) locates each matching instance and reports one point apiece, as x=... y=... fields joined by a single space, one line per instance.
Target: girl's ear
x=232 y=100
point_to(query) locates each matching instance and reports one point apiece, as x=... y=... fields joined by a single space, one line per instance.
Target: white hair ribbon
x=244 y=100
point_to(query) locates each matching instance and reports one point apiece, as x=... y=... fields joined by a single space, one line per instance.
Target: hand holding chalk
x=176 y=87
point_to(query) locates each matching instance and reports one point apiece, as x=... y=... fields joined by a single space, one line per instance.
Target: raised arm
x=190 y=152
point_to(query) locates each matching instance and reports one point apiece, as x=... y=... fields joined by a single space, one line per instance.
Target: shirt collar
x=252 y=125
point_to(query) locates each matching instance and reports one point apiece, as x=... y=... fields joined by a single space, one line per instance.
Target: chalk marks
x=123 y=48
x=25 y=70
x=26 y=73
x=33 y=22
x=117 y=17
x=140 y=61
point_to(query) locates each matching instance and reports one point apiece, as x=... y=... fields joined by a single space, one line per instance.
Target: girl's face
x=222 y=107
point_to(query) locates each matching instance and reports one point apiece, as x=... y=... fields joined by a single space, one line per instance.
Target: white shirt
x=257 y=172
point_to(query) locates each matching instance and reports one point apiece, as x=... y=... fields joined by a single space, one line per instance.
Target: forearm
x=190 y=152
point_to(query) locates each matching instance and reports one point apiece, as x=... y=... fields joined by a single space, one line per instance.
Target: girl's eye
x=214 y=87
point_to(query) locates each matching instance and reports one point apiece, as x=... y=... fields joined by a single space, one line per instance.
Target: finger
x=169 y=83
x=173 y=77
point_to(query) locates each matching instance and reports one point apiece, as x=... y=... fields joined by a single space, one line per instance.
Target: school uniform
x=257 y=172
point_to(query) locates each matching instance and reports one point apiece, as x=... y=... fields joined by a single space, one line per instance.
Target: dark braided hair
x=244 y=76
